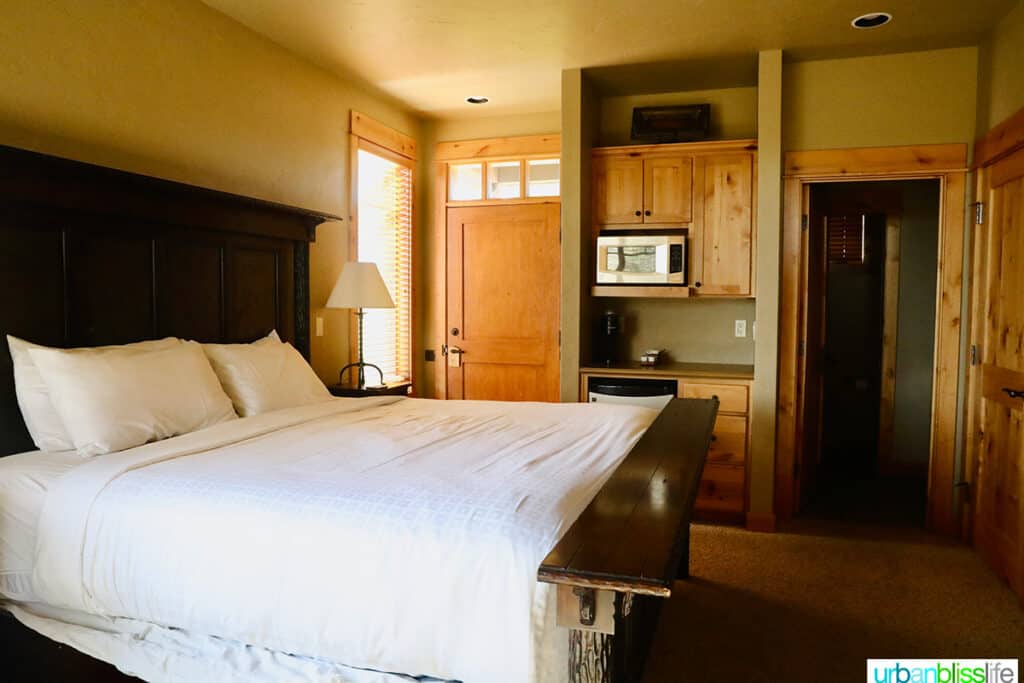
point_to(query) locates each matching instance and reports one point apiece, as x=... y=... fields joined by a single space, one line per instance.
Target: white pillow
x=117 y=400
x=264 y=377
x=44 y=424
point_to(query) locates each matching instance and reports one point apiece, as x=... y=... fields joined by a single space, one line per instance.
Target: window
x=383 y=235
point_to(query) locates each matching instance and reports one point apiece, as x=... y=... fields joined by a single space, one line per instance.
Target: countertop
x=694 y=370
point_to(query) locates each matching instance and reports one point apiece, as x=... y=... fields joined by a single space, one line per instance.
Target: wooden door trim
x=1003 y=140
x=913 y=161
x=946 y=163
x=490 y=148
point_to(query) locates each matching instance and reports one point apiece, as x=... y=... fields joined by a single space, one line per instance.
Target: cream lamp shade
x=360 y=286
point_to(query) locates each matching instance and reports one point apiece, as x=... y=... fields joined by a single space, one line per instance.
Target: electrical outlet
x=741 y=328
x=319 y=326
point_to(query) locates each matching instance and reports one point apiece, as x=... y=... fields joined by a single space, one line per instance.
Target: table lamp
x=360 y=286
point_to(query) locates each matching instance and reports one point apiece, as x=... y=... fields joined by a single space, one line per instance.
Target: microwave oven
x=644 y=259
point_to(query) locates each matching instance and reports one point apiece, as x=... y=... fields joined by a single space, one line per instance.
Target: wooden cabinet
x=619 y=190
x=705 y=187
x=723 y=488
x=724 y=237
x=637 y=190
x=722 y=495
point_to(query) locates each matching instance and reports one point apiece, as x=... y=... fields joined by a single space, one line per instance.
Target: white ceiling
x=432 y=54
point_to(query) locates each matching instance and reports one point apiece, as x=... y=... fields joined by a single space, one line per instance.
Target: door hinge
x=444 y=349
x=803 y=222
x=801 y=348
x=559 y=339
x=974 y=354
x=979 y=213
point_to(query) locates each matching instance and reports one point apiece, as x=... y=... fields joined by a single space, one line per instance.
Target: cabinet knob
x=647 y=213
x=638 y=212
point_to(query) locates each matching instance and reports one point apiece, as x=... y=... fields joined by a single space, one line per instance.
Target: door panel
x=998 y=445
x=503 y=302
x=618 y=190
x=668 y=189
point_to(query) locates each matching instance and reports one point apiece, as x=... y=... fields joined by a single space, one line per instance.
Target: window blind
x=384 y=236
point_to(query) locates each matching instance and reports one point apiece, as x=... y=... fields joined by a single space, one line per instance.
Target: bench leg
x=683 y=572
x=590 y=656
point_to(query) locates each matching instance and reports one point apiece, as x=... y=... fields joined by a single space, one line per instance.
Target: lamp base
x=361 y=383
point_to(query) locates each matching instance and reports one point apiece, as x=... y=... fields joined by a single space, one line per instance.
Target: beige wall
x=902 y=99
x=178 y=90
x=733 y=112
x=428 y=298
x=1001 y=71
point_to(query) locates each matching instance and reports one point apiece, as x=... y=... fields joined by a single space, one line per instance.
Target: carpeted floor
x=813 y=602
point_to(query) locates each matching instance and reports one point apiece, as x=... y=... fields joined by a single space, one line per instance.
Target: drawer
x=722 y=489
x=732 y=398
x=729 y=446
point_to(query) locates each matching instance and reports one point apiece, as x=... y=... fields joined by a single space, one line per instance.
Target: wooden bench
x=617 y=563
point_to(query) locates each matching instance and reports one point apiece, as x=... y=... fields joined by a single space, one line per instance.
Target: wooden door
x=998 y=410
x=618 y=190
x=668 y=190
x=504 y=288
x=727 y=232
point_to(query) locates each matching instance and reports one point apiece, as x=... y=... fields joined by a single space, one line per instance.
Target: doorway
x=872 y=267
x=497 y=282
x=800 y=360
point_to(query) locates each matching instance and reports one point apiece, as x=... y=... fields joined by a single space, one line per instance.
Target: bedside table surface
x=392 y=389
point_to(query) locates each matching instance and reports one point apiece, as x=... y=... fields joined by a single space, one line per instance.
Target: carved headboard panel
x=92 y=256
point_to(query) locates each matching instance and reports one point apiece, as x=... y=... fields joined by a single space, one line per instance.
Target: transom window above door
x=504 y=179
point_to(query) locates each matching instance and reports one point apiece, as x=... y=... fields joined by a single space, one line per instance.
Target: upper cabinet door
x=668 y=189
x=728 y=227
x=618 y=190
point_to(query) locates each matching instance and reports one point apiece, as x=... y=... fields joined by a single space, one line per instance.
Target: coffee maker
x=607 y=339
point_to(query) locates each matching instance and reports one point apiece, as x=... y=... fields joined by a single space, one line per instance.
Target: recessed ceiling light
x=477 y=99
x=872 y=20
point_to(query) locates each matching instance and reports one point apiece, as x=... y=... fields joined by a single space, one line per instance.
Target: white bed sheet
x=393 y=534
x=25 y=479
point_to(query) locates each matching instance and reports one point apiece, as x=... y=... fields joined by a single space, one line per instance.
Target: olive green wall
x=733 y=112
x=1001 y=71
x=693 y=330
x=764 y=395
x=180 y=91
x=912 y=98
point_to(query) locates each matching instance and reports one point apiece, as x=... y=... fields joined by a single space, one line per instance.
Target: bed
x=351 y=540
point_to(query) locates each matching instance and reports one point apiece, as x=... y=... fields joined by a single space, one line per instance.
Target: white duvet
x=393 y=534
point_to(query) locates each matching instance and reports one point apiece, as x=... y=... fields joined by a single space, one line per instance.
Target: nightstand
x=393 y=389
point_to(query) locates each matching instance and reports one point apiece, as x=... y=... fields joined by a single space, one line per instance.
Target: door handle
x=1014 y=393
x=455 y=357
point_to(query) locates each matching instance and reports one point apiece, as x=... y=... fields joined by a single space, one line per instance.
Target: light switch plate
x=319 y=326
x=741 y=328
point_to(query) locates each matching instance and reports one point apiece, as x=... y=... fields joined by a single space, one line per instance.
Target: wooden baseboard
x=761 y=521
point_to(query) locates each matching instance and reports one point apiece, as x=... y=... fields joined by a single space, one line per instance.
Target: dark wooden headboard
x=91 y=255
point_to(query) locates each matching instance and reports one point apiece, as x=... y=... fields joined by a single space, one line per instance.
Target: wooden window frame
x=948 y=164
x=369 y=135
